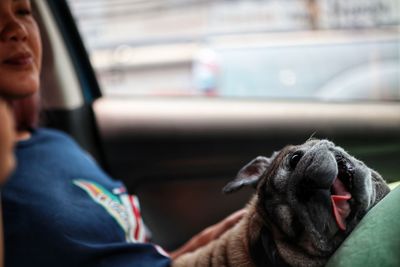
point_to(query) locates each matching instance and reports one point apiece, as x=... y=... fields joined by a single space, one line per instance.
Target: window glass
x=273 y=49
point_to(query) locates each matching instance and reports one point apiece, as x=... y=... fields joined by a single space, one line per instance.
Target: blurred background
x=277 y=49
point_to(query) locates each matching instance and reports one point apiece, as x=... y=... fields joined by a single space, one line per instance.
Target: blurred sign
x=358 y=13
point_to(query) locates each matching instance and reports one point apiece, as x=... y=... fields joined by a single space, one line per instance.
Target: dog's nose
x=321 y=171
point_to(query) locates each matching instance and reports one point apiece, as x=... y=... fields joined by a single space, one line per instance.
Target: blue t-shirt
x=61 y=209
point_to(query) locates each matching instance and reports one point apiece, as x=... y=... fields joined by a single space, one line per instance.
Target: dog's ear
x=249 y=174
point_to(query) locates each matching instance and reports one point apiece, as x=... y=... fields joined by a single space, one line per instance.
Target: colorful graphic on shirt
x=122 y=207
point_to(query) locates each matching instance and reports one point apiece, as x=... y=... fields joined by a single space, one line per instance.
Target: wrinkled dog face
x=314 y=193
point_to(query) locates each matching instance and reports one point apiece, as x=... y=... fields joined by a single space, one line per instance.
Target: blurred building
x=138 y=45
x=107 y=23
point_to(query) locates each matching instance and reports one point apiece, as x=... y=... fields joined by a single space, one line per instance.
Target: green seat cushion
x=376 y=239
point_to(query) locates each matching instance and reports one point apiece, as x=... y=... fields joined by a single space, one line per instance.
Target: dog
x=308 y=199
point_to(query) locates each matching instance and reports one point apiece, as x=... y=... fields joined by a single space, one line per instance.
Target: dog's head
x=312 y=194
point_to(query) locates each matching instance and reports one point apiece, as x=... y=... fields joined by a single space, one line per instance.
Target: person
x=7 y=140
x=60 y=208
x=7 y=159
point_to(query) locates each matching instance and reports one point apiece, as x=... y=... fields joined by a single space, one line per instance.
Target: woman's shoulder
x=47 y=136
x=49 y=133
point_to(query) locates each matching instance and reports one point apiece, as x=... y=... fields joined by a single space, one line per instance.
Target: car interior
x=177 y=153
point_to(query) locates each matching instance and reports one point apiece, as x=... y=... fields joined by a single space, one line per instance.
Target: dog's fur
x=289 y=221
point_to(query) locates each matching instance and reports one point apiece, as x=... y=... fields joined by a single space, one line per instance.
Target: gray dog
x=309 y=198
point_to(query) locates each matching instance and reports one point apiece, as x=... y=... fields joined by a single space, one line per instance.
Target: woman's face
x=20 y=49
x=7 y=140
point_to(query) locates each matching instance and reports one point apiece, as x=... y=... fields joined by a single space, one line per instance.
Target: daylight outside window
x=272 y=49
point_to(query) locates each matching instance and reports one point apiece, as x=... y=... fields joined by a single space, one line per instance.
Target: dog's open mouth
x=340 y=192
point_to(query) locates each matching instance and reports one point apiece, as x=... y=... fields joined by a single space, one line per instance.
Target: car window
x=305 y=49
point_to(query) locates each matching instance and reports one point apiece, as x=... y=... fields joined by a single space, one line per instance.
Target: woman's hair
x=26 y=112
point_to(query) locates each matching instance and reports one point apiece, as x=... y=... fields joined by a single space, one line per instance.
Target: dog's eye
x=294 y=159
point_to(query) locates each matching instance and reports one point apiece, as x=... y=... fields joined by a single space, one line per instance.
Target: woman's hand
x=209 y=234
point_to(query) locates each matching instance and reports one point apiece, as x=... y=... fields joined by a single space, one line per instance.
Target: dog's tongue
x=341 y=208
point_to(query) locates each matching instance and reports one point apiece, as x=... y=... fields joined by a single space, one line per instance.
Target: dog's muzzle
x=329 y=172
x=341 y=191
